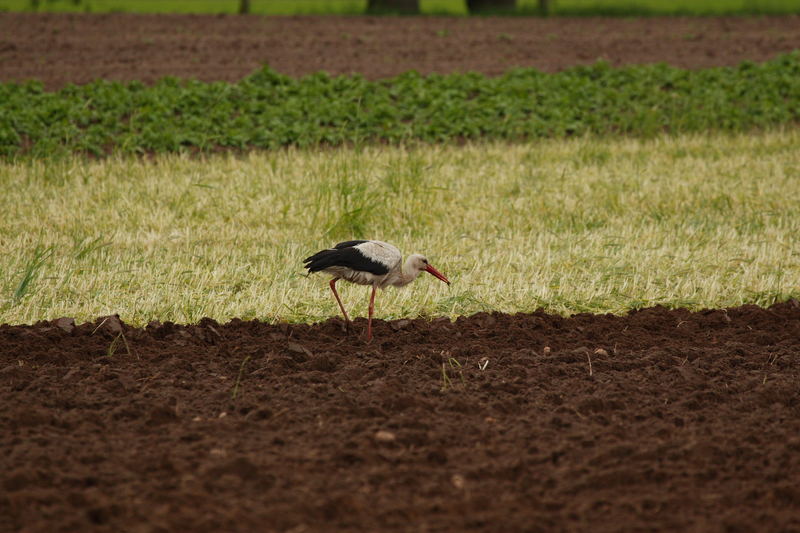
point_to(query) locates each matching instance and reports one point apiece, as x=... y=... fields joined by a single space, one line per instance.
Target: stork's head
x=420 y=263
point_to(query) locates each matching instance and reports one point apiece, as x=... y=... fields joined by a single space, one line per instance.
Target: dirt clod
x=66 y=324
x=385 y=436
x=109 y=324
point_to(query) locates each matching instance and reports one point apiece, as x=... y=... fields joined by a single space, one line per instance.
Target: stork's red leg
x=371 y=309
x=336 y=294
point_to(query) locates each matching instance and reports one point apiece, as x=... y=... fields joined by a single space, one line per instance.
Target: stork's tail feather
x=321 y=260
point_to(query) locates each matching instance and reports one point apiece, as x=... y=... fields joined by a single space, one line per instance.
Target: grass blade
x=31 y=270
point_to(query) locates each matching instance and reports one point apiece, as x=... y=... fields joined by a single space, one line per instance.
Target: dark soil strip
x=658 y=420
x=70 y=48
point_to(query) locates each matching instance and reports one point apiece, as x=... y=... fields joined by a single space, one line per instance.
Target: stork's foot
x=346 y=326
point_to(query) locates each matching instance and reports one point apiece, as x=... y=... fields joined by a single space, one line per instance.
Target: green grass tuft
x=30 y=271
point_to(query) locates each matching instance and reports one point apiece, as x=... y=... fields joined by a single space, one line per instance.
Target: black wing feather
x=348 y=244
x=346 y=256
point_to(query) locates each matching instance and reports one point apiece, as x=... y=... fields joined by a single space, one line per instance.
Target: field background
x=648 y=419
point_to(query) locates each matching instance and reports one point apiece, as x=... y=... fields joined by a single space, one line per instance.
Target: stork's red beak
x=438 y=274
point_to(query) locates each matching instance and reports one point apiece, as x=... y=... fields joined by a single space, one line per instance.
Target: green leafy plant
x=268 y=110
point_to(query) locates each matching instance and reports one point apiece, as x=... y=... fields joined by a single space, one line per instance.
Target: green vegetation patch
x=269 y=110
x=597 y=225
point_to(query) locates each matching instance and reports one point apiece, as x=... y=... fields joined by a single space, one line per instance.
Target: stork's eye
x=425 y=261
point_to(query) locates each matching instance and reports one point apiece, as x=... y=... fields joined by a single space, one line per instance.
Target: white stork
x=373 y=263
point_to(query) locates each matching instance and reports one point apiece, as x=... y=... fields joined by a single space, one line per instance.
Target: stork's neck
x=408 y=274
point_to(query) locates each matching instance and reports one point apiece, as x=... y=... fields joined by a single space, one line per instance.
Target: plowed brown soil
x=60 y=49
x=658 y=420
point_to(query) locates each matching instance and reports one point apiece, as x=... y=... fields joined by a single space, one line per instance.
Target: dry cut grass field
x=584 y=225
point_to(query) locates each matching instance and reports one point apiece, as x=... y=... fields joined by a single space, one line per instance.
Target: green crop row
x=270 y=110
